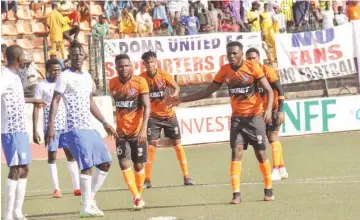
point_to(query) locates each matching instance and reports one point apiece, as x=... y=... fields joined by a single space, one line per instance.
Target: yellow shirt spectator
x=286 y=9
x=55 y=21
x=253 y=18
x=127 y=24
x=266 y=20
x=66 y=26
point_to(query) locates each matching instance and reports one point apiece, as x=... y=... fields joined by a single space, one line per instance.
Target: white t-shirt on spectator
x=327 y=19
x=174 y=6
x=341 y=19
x=280 y=18
x=143 y=18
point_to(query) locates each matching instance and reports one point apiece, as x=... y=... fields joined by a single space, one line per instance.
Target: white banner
x=203 y=53
x=104 y=104
x=316 y=55
x=310 y=116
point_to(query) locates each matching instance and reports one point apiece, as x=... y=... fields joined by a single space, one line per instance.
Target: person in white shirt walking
x=340 y=17
x=14 y=139
x=45 y=90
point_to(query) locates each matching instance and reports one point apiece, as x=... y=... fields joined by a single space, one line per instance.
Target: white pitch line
x=319 y=180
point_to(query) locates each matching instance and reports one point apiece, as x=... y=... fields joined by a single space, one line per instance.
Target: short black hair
x=253 y=50
x=77 y=44
x=122 y=57
x=234 y=44
x=13 y=52
x=148 y=55
x=54 y=6
x=51 y=62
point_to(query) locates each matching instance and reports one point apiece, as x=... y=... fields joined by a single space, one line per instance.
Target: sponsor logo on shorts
x=140 y=151
x=176 y=130
x=149 y=131
x=259 y=139
x=119 y=151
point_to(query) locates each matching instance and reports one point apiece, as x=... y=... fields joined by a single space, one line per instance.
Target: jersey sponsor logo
x=241 y=90
x=156 y=94
x=126 y=104
x=132 y=91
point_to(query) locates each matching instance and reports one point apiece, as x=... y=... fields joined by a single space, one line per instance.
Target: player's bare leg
x=15 y=192
x=73 y=171
x=265 y=168
x=125 y=166
x=151 y=149
x=279 y=171
x=180 y=154
x=235 y=172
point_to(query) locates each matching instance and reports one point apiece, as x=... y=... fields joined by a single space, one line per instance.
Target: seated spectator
x=191 y=22
x=9 y=5
x=37 y=4
x=144 y=20
x=164 y=29
x=112 y=10
x=127 y=24
x=353 y=11
x=159 y=13
x=101 y=28
x=69 y=31
x=340 y=17
x=68 y=9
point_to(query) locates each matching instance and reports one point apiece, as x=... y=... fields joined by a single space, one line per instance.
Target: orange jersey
x=129 y=109
x=271 y=76
x=245 y=100
x=158 y=87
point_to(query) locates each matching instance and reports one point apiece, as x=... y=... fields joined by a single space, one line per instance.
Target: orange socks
x=130 y=180
x=180 y=154
x=235 y=171
x=150 y=159
x=266 y=172
x=139 y=179
x=281 y=160
x=276 y=154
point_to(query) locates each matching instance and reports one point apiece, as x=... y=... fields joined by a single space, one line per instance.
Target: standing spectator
x=191 y=22
x=84 y=12
x=54 y=21
x=327 y=17
x=280 y=19
x=314 y=17
x=209 y=26
x=68 y=9
x=199 y=13
x=175 y=10
x=213 y=15
x=253 y=17
x=127 y=24
x=353 y=11
x=235 y=8
x=340 y=17
x=300 y=10
x=9 y=5
x=266 y=18
x=286 y=9
x=159 y=13
x=144 y=20
x=101 y=29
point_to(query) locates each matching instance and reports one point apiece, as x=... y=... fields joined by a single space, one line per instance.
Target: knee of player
x=153 y=143
x=273 y=137
x=105 y=167
x=261 y=156
x=51 y=160
x=237 y=151
x=138 y=167
x=14 y=172
x=176 y=142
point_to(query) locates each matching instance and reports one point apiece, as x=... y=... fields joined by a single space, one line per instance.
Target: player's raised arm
x=267 y=88
x=98 y=115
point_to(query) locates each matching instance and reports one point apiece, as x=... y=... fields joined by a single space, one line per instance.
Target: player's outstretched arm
x=97 y=114
x=196 y=96
x=35 y=117
x=50 y=133
x=145 y=99
x=278 y=87
x=267 y=88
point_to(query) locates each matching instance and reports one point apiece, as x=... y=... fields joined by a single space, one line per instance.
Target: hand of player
x=267 y=116
x=50 y=135
x=39 y=102
x=36 y=137
x=110 y=130
x=280 y=118
x=142 y=137
x=173 y=101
